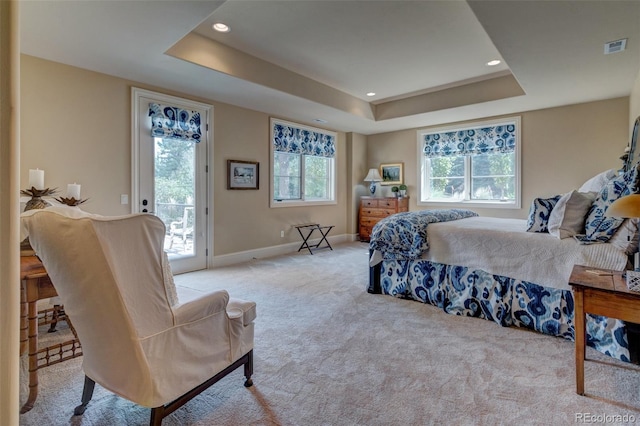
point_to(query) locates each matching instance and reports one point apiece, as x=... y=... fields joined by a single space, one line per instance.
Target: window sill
x=297 y=203
x=471 y=204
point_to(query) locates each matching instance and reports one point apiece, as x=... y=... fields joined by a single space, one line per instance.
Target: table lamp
x=373 y=176
x=625 y=207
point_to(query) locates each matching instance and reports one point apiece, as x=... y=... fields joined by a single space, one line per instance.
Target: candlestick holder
x=36 y=201
x=70 y=201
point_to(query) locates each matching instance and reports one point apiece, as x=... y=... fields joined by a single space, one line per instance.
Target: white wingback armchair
x=138 y=339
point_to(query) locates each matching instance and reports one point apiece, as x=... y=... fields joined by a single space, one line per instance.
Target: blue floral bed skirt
x=509 y=302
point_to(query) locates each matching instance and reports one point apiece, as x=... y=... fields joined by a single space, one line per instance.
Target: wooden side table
x=35 y=285
x=599 y=292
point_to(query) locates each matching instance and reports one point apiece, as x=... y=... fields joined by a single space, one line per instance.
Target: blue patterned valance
x=481 y=140
x=288 y=138
x=170 y=122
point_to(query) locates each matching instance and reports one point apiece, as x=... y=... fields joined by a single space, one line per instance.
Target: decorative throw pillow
x=568 y=216
x=598 y=227
x=627 y=236
x=596 y=183
x=539 y=213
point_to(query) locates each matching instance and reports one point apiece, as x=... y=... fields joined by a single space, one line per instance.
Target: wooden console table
x=35 y=285
x=599 y=292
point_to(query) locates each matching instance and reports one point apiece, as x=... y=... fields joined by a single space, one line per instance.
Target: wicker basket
x=633 y=280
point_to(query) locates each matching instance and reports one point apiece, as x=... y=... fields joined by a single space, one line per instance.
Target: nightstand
x=374 y=209
x=599 y=292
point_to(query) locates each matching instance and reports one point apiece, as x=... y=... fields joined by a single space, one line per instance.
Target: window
x=303 y=169
x=473 y=166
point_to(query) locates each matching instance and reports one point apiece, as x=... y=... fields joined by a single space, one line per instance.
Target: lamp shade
x=373 y=176
x=628 y=206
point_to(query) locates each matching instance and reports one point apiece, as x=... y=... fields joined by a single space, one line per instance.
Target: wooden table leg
x=24 y=327
x=580 y=331
x=33 y=355
x=55 y=315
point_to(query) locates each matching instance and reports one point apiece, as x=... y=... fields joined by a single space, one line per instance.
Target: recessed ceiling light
x=371 y=94
x=220 y=27
x=493 y=63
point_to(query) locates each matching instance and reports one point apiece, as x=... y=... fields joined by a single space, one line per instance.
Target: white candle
x=73 y=191
x=36 y=179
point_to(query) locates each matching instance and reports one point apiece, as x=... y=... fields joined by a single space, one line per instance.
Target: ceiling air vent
x=615 y=46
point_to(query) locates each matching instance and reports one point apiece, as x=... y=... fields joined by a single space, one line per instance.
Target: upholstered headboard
x=630 y=157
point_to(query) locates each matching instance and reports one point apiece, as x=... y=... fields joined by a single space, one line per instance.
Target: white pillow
x=627 y=236
x=568 y=216
x=596 y=183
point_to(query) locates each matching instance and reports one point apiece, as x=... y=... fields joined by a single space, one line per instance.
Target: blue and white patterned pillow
x=539 y=213
x=599 y=227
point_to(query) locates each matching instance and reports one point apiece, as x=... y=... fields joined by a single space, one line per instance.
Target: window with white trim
x=302 y=165
x=477 y=166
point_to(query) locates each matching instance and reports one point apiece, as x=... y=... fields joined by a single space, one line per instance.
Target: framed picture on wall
x=243 y=174
x=391 y=174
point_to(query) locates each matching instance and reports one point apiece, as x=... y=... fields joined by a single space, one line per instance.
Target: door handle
x=144 y=203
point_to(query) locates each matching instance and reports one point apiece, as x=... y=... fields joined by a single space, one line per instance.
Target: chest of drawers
x=374 y=209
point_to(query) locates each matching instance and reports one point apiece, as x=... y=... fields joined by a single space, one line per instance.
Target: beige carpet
x=329 y=353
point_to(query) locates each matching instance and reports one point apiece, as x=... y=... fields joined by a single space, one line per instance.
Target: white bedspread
x=503 y=247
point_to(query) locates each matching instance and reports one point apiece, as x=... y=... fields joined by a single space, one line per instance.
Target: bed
x=511 y=271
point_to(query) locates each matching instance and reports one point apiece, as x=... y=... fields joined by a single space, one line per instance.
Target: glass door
x=172 y=184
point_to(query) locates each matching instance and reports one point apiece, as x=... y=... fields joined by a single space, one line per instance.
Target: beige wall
x=357 y=157
x=76 y=127
x=243 y=219
x=561 y=148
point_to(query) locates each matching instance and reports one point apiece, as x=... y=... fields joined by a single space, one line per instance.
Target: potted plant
x=403 y=190
x=394 y=189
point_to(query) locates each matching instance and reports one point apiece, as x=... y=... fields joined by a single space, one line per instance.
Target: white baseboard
x=262 y=253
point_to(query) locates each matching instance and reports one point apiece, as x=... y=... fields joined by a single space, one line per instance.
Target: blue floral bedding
x=404 y=235
x=509 y=302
